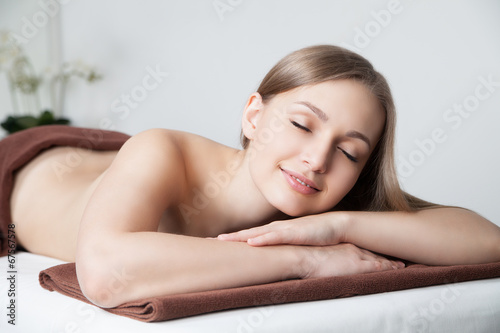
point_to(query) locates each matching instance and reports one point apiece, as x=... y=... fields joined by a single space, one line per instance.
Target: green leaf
x=46 y=118
x=27 y=121
x=18 y=123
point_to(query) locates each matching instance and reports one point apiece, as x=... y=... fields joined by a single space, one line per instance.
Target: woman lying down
x=313 y=193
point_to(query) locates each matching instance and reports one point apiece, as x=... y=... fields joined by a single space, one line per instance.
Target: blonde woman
x=315 y=183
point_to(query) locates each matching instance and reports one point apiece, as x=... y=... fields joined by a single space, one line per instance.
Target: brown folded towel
x=62 y=278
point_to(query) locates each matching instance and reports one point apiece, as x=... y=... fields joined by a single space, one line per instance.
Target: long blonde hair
x=377 y=188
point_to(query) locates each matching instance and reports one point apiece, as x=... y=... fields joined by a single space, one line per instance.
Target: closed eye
x=300 y=126
x=349 y=156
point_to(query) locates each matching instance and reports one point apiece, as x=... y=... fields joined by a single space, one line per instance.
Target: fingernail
x=253 y=241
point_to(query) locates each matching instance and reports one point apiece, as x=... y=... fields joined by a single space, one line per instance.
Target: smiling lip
x=299 y=182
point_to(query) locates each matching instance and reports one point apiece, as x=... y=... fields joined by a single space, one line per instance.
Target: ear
x=251 y=115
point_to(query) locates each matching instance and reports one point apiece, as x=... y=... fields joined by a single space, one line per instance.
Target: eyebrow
x=317 y=111
x=361 y=136
x=323 y=117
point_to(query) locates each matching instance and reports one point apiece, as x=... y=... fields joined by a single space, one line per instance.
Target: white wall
x=17 y=16
x=435 y=54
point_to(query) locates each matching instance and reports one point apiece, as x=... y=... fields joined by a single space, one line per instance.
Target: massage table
x=472 y=306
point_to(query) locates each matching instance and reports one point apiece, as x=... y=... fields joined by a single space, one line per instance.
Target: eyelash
x=349 y=156
x=299 y=126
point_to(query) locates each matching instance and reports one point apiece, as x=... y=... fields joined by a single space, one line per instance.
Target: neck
x=244 y=205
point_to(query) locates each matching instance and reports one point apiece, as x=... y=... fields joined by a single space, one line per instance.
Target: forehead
x=346 y=103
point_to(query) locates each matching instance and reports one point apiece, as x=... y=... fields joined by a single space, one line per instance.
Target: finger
x=384 y=262
x=276 y=237
x=398 y=264
x=243 y=235
x=368 y=255
x=239 y=236
x=378 y=266
x=271 y=238
x=233 y=237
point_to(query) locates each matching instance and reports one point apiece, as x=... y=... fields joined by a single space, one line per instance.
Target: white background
x=432 y=53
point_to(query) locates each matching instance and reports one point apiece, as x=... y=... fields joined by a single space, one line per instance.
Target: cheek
x=261 y=158
x=271 y=144
x=266 y=153
x=341 y=182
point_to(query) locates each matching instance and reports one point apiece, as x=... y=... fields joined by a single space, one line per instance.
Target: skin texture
x=150 y=212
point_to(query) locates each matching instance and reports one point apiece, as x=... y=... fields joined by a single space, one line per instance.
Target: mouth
x=299 y=183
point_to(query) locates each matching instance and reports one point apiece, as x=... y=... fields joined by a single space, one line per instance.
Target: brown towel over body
x=62 y=278
x=18 y=149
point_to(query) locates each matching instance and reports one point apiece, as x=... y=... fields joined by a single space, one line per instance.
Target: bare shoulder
x=184 y=146
x=201 y=155
x=150 y=162
x=146 y=177
x=155 y=139
x=162 y=138
x=173 y=158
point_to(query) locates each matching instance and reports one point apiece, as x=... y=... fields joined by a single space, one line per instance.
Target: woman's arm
x=147 y=264
x=437 y=236
x=121 y=257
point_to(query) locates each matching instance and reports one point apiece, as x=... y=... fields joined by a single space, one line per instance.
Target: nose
x=317 y=157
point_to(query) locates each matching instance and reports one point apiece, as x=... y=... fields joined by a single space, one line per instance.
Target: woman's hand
x=321 y=229
x=342 y=259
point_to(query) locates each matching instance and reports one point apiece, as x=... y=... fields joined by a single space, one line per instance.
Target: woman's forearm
x=136 y=265
x=439 y=236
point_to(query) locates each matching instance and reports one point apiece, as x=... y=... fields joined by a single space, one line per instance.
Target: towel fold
x=62 y=278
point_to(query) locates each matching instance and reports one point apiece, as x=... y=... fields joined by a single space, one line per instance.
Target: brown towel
x=62 y=278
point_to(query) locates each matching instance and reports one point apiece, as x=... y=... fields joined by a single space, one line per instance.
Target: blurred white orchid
x=24 y=83
x=9 y=50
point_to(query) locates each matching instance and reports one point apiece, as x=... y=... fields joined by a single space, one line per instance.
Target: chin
x=293 y=205
x=301 y=209
x=296 y=210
